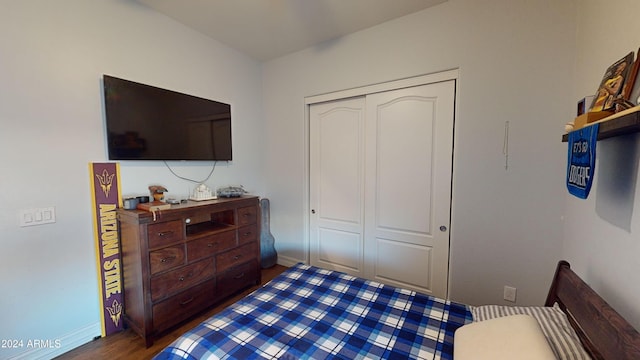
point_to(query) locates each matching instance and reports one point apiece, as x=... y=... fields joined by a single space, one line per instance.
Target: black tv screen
x=144 y=122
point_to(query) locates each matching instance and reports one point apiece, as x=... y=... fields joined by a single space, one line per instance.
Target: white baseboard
x=287 y=261
x=50 y=348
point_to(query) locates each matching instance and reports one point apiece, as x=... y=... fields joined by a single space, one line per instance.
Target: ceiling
x=267 y=29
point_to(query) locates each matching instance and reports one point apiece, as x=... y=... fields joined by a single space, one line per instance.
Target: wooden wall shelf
x=626 y=122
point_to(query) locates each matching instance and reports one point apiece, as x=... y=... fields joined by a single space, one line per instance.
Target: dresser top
x=179 y=210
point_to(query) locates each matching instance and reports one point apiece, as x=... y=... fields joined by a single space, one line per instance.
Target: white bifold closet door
x=380 y=186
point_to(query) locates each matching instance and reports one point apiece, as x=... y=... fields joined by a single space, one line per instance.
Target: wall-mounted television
x=144 y=122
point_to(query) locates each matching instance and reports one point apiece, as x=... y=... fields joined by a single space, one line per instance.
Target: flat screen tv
x=144 y=122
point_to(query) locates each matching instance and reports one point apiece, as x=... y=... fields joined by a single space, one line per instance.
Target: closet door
x=380 y=186
x=409 y=147
x=337 y=185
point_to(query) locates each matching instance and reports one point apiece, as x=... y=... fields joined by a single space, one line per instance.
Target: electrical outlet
x=510 y=293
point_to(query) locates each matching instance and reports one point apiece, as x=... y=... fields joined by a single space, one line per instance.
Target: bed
x=312 y=313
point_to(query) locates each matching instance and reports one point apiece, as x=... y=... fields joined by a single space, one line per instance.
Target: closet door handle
x=443 y=228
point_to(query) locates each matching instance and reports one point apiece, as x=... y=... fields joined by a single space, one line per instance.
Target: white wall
x=516 y=59
x=601 y=233
x=52 y=57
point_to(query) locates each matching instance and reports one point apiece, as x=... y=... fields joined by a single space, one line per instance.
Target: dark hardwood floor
x=128 y=345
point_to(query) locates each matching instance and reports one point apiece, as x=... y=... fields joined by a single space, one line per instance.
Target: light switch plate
x=37 y=216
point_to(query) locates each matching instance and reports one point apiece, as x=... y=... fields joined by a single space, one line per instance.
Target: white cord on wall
x=505 y=145
x=192 y=180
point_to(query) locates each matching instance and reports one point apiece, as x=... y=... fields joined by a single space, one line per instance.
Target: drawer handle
x=165 y=233
x=246 y=214
x=168 y=258
x=188 y=276
x=183 y=303
x=237 y=257
x=212 y=244
x=239 y=276
x=247 y=233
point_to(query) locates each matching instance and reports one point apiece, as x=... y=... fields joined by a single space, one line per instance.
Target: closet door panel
x=404 y=147
x=409 y=137
x=336 y=185
x=403 y=264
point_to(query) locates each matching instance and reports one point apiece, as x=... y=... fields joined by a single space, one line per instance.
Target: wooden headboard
x=603 y=332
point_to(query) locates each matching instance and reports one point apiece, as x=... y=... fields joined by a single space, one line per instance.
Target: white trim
x=66 y=343
x=288 y=261
x=305 y=190
x=375 y=88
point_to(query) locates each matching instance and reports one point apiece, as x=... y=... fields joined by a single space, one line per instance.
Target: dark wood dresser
x=186 y=260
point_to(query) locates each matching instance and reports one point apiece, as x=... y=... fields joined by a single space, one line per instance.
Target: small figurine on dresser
x=201 y=193
x=231 y=191
x=157 y=192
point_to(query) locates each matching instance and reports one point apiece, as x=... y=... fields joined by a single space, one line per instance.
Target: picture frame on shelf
x=612 y=84
x=633 y=95
x=631 y=82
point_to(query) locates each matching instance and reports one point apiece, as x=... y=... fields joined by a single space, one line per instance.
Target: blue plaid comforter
x=312 y=313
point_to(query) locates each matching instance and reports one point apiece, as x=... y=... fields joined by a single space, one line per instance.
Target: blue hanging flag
x=582 y=160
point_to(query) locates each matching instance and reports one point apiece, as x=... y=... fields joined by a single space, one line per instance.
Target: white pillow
x=509 y=337
x=554 y=323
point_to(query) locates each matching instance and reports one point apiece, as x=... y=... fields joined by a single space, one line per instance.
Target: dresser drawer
x=183 y=305
x=247 y=215
x=166 y=258
x=210 y=245
x=238 y=277
x=179 y=279
x=247 y=234
x=236 y=256
x=165 y=233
